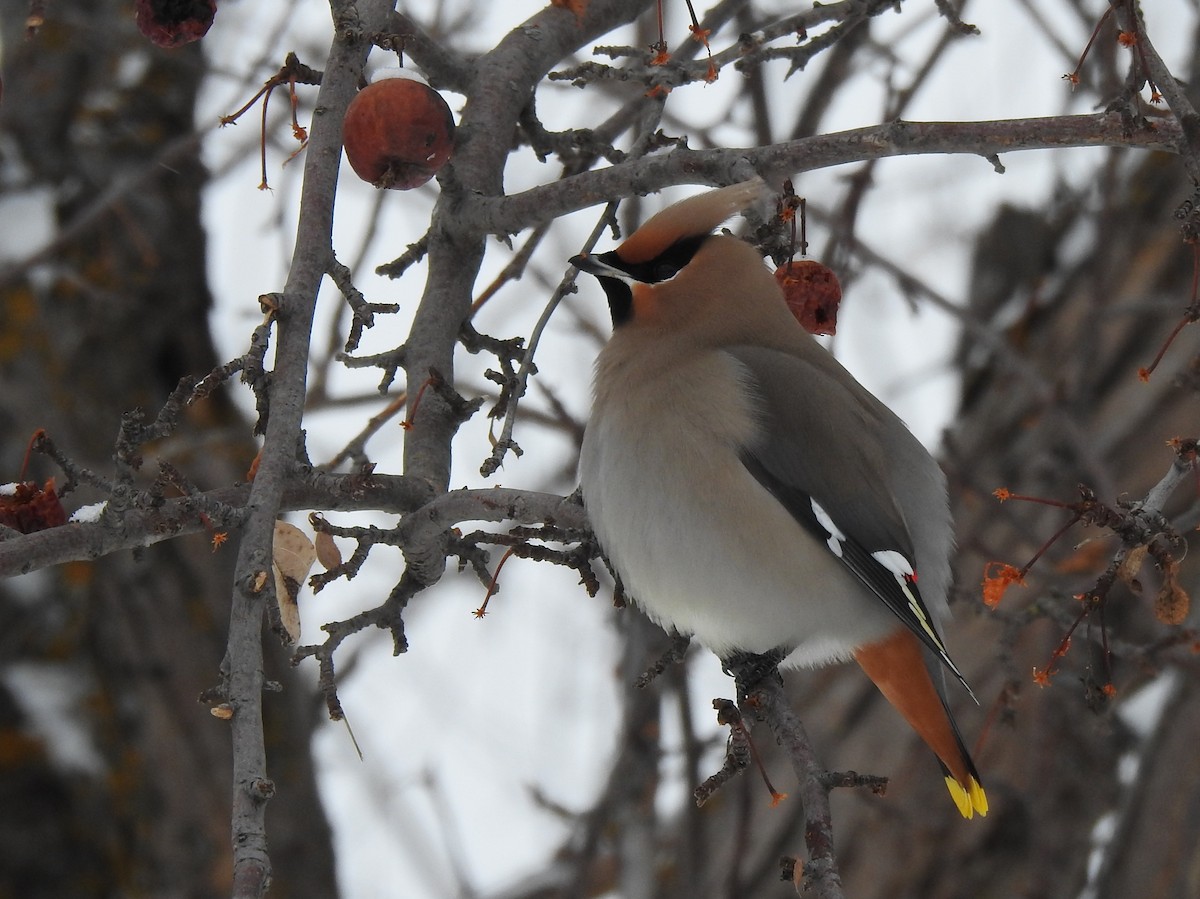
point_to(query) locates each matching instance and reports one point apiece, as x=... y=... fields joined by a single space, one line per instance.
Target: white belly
x=700 y=545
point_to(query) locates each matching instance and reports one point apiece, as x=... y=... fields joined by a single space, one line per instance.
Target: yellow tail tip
x=971 y=800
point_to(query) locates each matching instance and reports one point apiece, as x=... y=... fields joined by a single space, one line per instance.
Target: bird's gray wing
x=830 y=452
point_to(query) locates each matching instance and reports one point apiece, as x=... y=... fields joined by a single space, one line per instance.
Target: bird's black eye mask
x=663 y=267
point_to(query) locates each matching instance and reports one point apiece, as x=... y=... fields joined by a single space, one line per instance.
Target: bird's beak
x=594 y=266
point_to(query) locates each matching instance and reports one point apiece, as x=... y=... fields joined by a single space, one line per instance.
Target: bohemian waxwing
x=748 y=490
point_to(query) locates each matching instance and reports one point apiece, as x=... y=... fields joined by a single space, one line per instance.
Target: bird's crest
x=690 y=217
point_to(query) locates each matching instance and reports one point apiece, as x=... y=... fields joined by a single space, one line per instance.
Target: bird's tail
x=897 y=667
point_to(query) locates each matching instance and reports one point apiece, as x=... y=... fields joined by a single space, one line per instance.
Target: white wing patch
x=906 y=576
x=836 y=537
x=898 y=565
x=895 y=562
x=887 y=573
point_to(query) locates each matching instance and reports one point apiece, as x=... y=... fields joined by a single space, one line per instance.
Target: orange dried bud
x=1073 y=78
x=777 y=798
x=1144 y=375
x=218 y=540
x=1109 y=690
x=997 y=578
x=1041 y=677
x=1126 y=39
x=1002 y=493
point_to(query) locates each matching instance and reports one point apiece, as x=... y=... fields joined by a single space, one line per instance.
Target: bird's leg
x=751 y=673
x=749 y=669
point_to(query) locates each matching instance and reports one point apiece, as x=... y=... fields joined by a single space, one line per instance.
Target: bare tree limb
x=242 y=673
x=1173 y=91
x=504 y=80
x=496 y=215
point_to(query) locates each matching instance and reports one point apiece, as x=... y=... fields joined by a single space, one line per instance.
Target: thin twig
x=504 y=443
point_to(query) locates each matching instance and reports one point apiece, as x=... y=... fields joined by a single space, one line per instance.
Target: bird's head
x=674 y=269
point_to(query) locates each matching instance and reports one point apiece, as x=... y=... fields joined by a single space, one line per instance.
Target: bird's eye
x=671 y=262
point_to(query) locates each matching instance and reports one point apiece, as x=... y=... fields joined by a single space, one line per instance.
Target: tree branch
x=819 y=876
x=423 y=532
x=241 y=669
x=1173 y=91
x=504 y=80
x=178 y=517
x=506 y=215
